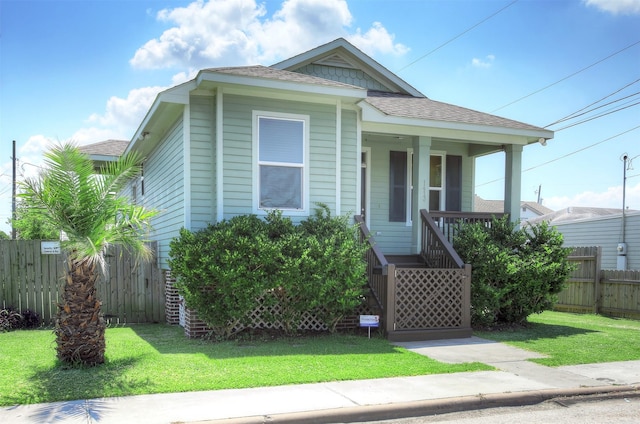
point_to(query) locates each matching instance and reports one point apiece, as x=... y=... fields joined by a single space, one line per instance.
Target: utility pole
x=13 y=195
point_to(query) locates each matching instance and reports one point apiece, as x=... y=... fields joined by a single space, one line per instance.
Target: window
x=281 y=159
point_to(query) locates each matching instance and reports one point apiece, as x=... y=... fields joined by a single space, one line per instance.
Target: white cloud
x=483 y=63
x=377 y=39
x=622 y=7
x=611 y=198
x=120 y=119
x=238 y=32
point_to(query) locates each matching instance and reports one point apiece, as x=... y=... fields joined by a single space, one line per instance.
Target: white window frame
x=409 y=206
x=257 y=115
x=442 y=189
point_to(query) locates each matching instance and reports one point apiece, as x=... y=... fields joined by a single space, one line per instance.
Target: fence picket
x=591 y=289
x=130 y=293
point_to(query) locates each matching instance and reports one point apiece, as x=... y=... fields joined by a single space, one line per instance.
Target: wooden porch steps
x=406 y=261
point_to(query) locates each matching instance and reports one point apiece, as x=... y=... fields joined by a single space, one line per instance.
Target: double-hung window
x=281 y=146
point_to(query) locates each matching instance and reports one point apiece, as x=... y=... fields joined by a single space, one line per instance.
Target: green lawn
x=572 y=339
x=143 y=359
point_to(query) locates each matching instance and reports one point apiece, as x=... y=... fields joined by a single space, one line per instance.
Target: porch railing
x=436 y=250
x=378 y=272
x=421 y=303
x=449 y=222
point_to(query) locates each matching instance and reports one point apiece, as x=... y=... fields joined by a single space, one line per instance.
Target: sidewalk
x=516 y=382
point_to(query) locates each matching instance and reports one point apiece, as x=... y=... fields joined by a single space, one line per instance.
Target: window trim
x=443 y=180
x=257 y=115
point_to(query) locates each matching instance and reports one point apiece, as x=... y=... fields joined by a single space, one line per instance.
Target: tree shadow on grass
x=76 y=391
x=171 y=340
x=532 y=332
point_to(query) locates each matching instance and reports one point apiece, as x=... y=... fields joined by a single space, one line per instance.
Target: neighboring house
x=528 y=209
x=331 y=126
x=587 y=226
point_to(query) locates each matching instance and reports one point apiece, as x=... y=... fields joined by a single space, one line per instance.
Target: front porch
x=425 y=296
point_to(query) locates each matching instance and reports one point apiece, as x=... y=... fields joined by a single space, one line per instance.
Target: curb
x=423 y=408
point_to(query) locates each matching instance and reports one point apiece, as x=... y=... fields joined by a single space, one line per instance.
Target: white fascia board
x=354 y=93
x=178 y=94
x=375 y=121
x=103 y=158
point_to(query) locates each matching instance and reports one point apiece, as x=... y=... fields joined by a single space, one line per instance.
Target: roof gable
x=341 y=61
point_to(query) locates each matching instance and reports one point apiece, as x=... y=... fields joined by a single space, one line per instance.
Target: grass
x=143 y=359
x=573 y=339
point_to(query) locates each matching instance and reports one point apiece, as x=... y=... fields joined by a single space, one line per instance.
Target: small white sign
x=50 y=247
x=369 y=320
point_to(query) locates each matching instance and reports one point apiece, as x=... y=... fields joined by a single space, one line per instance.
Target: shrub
x=222 y=269
x=314 y=267
x=515 y=271
x=12 y=319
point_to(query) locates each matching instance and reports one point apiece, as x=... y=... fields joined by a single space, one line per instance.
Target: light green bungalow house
x=330 y=125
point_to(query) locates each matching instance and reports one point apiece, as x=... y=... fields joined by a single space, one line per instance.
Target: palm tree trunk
x=80 y=326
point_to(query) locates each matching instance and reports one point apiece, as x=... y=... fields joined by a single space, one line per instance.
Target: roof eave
x=212 y=76
x=372 y=115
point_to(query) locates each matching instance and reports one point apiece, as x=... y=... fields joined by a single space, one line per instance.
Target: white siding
x=164 y=189
x=606 y=232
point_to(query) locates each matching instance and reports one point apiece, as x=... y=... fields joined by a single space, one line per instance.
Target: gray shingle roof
x=497 y=206
x=424 y=108
x=259 y=71
x=575 y=213
x=105 y=148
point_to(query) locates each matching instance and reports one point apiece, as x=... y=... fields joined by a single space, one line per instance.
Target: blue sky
x=88 y=70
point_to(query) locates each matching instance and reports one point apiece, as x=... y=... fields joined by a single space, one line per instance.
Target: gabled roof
x=341 y=53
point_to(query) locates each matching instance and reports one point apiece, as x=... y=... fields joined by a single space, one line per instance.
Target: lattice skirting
x=178 y=313
x=428 y=298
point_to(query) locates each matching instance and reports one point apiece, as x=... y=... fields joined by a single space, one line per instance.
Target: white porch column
x=513 y=181
x=420 y=192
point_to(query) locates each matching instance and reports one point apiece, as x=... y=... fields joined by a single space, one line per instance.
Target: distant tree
x=89 y=209
x=4 y=236
x=31 y=225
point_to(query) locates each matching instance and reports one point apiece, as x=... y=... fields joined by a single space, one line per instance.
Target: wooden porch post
x=390 y=307
x=513 y=181
x=420 y=199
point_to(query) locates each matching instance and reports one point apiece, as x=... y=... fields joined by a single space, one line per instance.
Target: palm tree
x=90 y=210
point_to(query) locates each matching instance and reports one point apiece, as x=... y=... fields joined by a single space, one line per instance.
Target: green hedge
x=515 y=271
x=316 y=267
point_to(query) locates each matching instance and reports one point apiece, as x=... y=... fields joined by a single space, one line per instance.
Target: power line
x=567 y=77
x=457 y=36
x=598 y=116
x=564 y=156
x=578 y=112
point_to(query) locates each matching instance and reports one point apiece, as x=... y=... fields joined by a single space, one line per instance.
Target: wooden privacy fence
x=130 y=292
x=591 y=289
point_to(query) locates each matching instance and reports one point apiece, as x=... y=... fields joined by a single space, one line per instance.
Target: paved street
x=578 y=410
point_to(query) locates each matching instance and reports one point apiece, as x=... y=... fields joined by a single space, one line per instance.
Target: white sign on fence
x=50 y=247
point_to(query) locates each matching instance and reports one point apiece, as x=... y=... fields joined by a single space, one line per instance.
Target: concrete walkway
x=516 y=382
